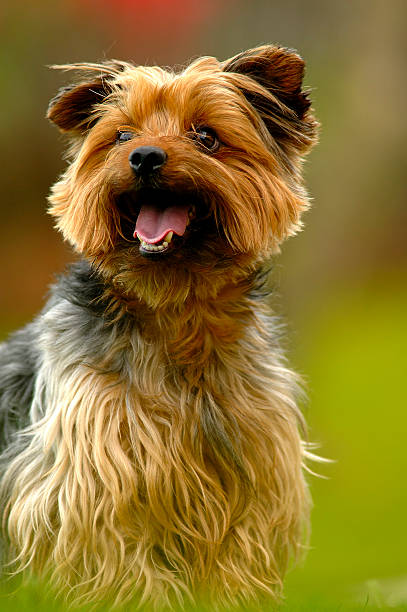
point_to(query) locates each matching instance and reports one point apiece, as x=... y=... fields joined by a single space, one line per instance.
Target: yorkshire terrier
x=152 y=440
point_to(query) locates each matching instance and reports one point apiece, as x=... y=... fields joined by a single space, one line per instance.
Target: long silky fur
x=159 y=455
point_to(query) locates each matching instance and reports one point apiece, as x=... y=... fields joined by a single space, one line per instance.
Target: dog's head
x=183 y=175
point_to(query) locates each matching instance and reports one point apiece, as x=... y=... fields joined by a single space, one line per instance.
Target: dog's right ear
x=71 y=109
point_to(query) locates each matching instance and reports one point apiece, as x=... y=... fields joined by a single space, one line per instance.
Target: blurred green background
x=341 y=283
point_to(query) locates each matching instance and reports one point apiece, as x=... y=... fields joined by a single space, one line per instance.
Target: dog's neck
x=197 y=329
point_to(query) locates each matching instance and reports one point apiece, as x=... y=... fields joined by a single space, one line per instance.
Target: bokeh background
x=340 y=284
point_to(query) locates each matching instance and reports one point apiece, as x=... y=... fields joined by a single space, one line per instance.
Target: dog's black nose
x=144 y=160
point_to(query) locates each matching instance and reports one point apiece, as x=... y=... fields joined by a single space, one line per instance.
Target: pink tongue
x=154 y=223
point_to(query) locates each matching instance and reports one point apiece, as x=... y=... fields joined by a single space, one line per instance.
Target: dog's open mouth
x=156 y=226
x=162 y=219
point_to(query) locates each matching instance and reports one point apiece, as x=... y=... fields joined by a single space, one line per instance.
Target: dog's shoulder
x=75 y=303
x=81 y=286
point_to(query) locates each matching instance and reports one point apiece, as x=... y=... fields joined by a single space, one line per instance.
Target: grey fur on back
x=18 y=366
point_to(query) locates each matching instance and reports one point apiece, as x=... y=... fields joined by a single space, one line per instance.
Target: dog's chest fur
x=142 y=452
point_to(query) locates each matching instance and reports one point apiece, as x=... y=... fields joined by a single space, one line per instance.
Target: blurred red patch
x=170 y=16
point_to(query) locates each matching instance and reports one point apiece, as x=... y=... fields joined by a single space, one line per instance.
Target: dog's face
x=179 y=175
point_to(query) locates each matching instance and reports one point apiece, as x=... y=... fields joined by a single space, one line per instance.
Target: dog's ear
x=278 y=70
x=71 y=109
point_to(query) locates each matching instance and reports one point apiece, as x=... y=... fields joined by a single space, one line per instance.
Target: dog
x=151 y=435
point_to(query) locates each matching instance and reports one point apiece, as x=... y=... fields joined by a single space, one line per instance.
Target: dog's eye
x=206 y=137
x=124 y=135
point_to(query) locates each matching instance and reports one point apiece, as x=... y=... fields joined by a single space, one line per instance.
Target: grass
x=353 y=354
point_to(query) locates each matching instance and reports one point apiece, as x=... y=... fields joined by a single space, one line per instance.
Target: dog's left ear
x=71 y=109
x=278 y=70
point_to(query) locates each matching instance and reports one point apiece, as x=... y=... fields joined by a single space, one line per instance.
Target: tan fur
x=124 y=490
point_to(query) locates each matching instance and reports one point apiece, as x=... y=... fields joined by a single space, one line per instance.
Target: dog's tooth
x=158 y=247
